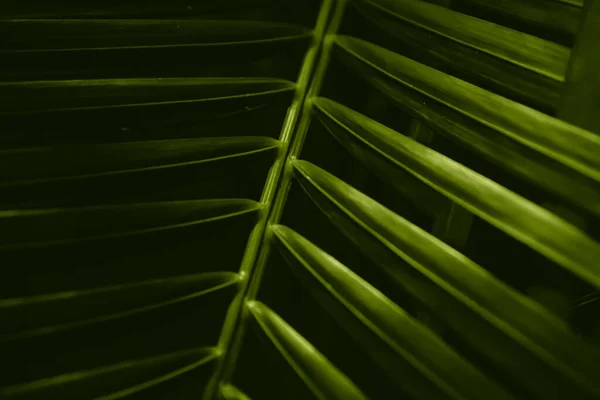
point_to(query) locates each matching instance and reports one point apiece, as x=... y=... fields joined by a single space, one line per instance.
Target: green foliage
x=337 y=199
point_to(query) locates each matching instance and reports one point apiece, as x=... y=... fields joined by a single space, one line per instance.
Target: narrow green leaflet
x=576 y=3
x=527 y=51
x=136 y=48
x=230 y=392
x=75 y=34
x=62 y=162
x=555 y=15
x=29 y=228
x=129 y=8
x=517 y=216
x=433 y=358
x=27 y=316
x=77 y=175
x=114 y=381
x=514 y=64
x=324 y=379
x=430 y=201
x=128 y=110
x=46 y=96
x=564 y=142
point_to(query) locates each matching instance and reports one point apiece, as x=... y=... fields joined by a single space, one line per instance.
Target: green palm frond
x=330 y=199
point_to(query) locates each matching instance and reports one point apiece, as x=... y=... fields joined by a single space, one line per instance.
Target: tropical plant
x=337 y=199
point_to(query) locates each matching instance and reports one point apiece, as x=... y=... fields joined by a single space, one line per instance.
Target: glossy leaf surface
x=529 y=52
x=570 y=145
x=322 y=377
x=515 y=215
x=431 y=357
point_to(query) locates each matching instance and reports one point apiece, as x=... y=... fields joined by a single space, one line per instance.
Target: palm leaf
x=280 y=199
